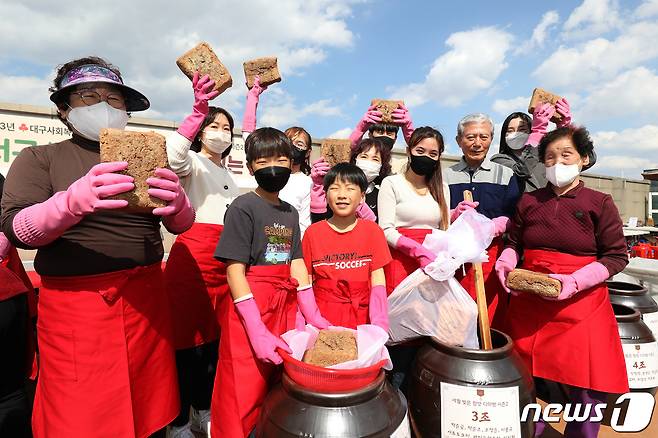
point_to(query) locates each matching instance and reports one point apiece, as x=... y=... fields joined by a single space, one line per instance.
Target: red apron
x=195 y=282
x=497 y=297
x=242 y=381
x=401 y=265
x=343 y=303
x=106 y=359
x=574 y=341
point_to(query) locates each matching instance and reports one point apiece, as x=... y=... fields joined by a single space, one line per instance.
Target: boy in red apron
x=346 y=256
x=574 y=234
x=106 y=358
x=195 y=280
x=268 y=282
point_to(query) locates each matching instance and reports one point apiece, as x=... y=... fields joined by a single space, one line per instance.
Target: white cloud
x=649 y=8
x=540 y=33
x=592 y=17
x=508 y=106
x=599 y=59
x=341 y=133
x=632 y=139
x=615 y=163
x=144 y=39
x=283 y=110
x=633 y=93
x=29 y=90
x=475 y=60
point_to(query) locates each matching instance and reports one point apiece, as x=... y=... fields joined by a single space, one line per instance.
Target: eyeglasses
x=90 y=97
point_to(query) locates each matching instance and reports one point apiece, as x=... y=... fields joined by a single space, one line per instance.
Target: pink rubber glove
x=202 y=94
x=253 y=95
x=402 y=117
x=586 y=277
x=371 y=117
x=501 y=223
x=378 y=307
x=300 y=322
x=540 y=119
x=563 y=109
x=505 y=264
x=5 y=247
x=460 y=208
x=414 y=249
x=318 y=196
x=309 y=308
x=365 y=212
x=262 y=341
x=178 y=214
x=42 y=223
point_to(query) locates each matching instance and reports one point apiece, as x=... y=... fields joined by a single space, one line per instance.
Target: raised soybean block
x=202 y=59
x=265 y=68
x=539 y=96
x=336 y=151
x=537 y=283
x=386 y=107
x=144 y=152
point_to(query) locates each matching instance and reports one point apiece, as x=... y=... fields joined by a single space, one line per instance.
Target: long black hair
x=504 y=147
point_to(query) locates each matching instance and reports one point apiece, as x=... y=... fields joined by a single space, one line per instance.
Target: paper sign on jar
x=641 y=365
x=651 y=320
x=479 y=411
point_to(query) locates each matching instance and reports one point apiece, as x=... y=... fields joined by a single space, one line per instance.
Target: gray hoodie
x=528 y=169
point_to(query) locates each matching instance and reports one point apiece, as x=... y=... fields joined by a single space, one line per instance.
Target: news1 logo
x=631 y=412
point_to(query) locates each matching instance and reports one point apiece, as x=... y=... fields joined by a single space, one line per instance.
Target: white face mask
x=216 y=141
x=370 y=168
x=89 y=120
x=516 y=140
x=561 y=175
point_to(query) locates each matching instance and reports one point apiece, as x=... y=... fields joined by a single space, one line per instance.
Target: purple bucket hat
x=135 y=101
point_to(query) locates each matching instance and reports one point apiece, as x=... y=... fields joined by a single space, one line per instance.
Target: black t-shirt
x=258 y=233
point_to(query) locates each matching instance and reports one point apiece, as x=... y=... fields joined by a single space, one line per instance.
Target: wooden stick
x=483 y=311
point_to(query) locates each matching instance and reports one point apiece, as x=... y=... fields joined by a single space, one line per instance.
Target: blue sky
x=445 y=59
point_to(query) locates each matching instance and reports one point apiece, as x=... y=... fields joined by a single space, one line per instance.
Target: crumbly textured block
x=202 y=59
x=539 y=96
x=386 y=107
x=265 y=68
x=332 y=347
x=144 y=152
x=335 y=151
x=523 y=280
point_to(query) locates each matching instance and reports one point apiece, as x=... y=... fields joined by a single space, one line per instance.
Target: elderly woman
x=574 y=234
x=107 y=362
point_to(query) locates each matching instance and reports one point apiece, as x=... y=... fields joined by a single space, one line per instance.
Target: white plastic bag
x=465 y=241
x=370 y=343
x=422 y=306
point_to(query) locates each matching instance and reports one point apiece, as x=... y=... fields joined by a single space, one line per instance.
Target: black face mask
x=272 y=178
x=423 y=165
x=298 y=155
x=388 y=141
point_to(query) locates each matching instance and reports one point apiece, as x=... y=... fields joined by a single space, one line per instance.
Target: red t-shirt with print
x=350 y=256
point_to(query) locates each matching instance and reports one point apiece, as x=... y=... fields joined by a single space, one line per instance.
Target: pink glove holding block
x=540 y=119
x=584 y=278
x=563 y=109
x=414 y=249
x=262 y=341
x=371 y=117
x=178 y=214
x=253 y=95
x=378 y=307
x=318 y=197
x=42 y=223
x=309 y=308
x=402 y=117
x=505 y=264
x=202 y=94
